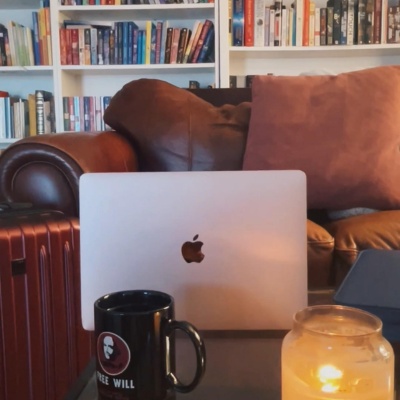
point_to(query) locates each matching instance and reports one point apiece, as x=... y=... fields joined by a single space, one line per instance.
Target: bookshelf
x=242 y=61
x=102 y=80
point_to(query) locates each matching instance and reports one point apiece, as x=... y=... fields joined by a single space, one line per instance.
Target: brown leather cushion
x=380 y=230
x=342 y=131
x=175 y=130
x=320 y=246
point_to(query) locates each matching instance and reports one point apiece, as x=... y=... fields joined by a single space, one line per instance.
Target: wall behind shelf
x=293 y=63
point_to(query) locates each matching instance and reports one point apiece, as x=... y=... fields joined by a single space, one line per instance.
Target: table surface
x=239 y=365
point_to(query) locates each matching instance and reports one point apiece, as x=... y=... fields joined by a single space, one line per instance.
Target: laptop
x=229 y=246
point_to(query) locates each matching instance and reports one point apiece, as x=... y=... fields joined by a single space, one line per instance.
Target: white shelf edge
x=136 y=7
x=27 y=68
x=283 y=49
x=128 y=67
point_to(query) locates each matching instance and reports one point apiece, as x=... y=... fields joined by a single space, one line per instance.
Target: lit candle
x=332 y=358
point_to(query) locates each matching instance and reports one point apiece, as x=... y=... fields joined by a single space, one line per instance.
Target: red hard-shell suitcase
x=43 y=347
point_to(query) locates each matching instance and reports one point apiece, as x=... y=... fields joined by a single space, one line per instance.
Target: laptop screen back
x=230 y=247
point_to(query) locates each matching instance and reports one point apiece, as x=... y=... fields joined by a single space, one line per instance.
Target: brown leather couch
x=45 y=170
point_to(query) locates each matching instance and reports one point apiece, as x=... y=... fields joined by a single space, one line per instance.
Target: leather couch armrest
x=44 y=170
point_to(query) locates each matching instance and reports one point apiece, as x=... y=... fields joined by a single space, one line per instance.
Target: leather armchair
x=44 y=170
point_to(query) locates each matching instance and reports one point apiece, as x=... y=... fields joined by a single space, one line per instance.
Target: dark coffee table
x=240 y=365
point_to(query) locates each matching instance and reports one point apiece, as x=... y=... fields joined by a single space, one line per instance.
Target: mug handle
x=198 y=343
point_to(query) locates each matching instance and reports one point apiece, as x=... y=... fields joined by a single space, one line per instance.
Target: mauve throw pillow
x=174 y=130
x=343 y=131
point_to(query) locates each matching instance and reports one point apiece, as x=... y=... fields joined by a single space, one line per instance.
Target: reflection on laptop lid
x=230 y=247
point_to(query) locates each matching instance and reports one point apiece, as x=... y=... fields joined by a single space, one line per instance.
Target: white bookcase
x=103 y=80
x=243 y=61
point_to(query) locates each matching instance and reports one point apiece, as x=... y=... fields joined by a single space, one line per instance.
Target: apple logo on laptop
x=191 y=251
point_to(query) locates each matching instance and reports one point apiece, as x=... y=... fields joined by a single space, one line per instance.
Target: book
x=163 y=41
x=150 y=28
x=42 y=96
x=278 y=23
x=369 y=29
x=196 y=37
x=311 y=24
x=249 y=23
x=36 y=49
x=299 y=9
x=93 y=46
x=174 y=45
x=208 y=46
x=3 y=124
x=336 y=28
x=71 y=113
x=284 y=27
x=81 y=46
x=168 y=45
x=204 y=31
x=75 y=46
x=153 y=42
x=238 y=22
x=181 y=45
x=350 y=22
x=86 y=113
x=159 y=30
x=66 y=119
x=63 y=46
x=323 y=24
x=111 y=45
x=266 y=26
x=32 y=114
x=230 y=22
x=271 y=24
x=329 y=24
x=77 y=113
x=384 y=27
x=259 y=21
x=377 y=15
x=135 y=41
x=362 y=22
x=343 y=22
x=317 y=31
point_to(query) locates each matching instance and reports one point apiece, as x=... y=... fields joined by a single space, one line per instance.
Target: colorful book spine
x=249 y=23
x=238 y=23
x=208 y=46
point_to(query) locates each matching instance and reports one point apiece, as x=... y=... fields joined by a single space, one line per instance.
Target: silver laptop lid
x=243 y=233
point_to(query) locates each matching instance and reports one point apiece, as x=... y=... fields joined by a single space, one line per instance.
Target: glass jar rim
x=371 y=321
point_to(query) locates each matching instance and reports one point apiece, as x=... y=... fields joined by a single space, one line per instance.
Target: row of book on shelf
x=21 y=117
x=85 y=113
x=262 y=23
x=21 y=45
x=128 y=42
x=126 y=2
x=35 y=115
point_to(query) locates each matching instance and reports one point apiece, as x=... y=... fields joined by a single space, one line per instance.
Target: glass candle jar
x=336 y=353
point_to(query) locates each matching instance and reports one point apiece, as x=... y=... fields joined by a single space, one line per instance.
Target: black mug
x=136 y=349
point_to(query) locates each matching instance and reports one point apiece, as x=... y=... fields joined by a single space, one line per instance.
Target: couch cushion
x=379 y=230
x=320 y=246
x=342 y=131
x=174 y=130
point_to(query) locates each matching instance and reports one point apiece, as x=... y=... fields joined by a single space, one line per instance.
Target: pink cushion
x=343 y=131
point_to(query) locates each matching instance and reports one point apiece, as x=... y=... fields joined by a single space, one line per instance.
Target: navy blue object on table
x=373 y=285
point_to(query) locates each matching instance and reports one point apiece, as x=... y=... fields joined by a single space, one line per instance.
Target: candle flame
x=327 y=375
